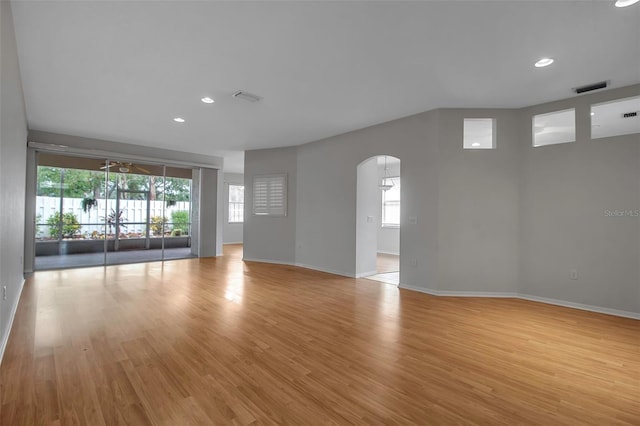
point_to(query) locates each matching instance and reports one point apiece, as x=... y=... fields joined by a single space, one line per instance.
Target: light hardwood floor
x=387 y=263
x=219 y=341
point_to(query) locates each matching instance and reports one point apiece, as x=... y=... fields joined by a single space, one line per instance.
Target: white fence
x=132 y=211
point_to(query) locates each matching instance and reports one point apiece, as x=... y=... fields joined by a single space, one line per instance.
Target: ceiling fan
x=124 y=167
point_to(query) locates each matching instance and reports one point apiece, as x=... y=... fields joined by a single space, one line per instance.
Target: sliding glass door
x=98 y=211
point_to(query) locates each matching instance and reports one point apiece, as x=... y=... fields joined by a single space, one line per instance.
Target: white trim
x=328 y=271
x=459 y=293
x=388 y=252
x=492 y=294
x=276 y=262
x=583 y=307
x=5 y=340
x=113 y=155
x=232 y=242
x=366 y=274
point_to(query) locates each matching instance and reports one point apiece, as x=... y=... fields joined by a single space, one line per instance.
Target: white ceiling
x=121 y=70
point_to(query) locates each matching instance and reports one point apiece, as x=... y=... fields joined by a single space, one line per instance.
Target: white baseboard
x=590 y=308
x=328 y=271
x=366 y=274
x=301 y=265
x=275 y=262
x=5 y=339
x=394 y=253
x=494 y=294
x=459 y=293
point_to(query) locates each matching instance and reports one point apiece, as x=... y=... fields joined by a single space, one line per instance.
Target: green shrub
x=158 y=225
x=180 y=219
x=176 y=232
x=70 y=225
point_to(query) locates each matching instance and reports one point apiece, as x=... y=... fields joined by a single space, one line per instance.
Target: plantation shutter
x=270 y=195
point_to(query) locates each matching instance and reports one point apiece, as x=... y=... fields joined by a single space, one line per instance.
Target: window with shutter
x=270 y=195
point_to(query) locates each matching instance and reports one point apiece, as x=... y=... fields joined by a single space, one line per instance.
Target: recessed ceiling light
x=544 y=62
x=625 y=3
x=207 y=100
x=475 y=144
x=178 y=120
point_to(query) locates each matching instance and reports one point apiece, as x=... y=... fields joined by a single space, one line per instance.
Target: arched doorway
x=378 y=219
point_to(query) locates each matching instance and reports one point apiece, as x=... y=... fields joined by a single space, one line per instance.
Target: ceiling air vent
x=246 y=96
x=591 y=87
x=630 y=114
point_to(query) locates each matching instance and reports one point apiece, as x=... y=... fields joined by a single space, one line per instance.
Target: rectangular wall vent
x=630 y=114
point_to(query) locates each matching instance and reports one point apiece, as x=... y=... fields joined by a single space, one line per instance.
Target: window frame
x=230 y=203
x=270 y=209
x=396 y=181
x=542 y=115
x=466 y=124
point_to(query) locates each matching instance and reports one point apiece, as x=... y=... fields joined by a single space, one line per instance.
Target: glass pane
x=69 y=230
x=177 y=240
x=391 y=202
x=133 y=205
x=236 y=212
x=236 y=193
x=621 y=117
x=554 y=128
x=479 y=133
x=48 y=203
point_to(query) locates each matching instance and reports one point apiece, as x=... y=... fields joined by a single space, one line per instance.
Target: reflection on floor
x=232 y=250
x=113 y=258
x=387 y=278
x=388 y=268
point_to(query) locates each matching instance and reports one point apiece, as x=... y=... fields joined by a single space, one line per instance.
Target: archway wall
x=510 y=221
x=369 y=230
x=367 y=195
x=328 y=175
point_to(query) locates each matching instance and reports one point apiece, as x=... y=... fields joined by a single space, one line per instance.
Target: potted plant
x=88 y=203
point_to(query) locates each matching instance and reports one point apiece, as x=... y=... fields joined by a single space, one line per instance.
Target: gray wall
x=327 y=170
x=13 y=154
x=209 y=211
x=508 y=221
x=271 y=238
x=478 y=207
x=367 y=210
x=566 y=190
x=232 y=231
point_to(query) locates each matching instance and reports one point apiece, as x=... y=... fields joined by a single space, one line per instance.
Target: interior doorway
x=378 y=219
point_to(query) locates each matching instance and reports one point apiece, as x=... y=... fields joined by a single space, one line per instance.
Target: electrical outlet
x=413 y=262
x=573 y=274
x=4 y=292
